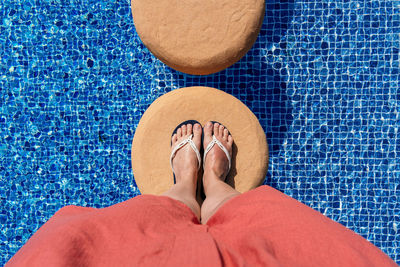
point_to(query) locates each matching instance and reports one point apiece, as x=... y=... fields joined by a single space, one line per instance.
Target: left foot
x=216 y=163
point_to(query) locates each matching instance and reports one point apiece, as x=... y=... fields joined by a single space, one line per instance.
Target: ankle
x=213 y=174
x=186 y=176
x=211 y=179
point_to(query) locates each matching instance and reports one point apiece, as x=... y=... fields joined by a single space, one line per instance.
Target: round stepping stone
x=151 y=146
x=198 y=37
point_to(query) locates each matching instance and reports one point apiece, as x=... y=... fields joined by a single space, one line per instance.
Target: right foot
x=216 y=163
x=185 y=161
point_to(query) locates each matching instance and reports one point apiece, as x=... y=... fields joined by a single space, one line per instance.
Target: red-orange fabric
x=262 y=227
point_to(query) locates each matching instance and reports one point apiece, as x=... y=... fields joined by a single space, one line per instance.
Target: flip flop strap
x=210 y=146
x=182 y=144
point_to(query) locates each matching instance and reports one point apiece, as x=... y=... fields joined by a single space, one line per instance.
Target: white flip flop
x=218 y=143
x=182 y=144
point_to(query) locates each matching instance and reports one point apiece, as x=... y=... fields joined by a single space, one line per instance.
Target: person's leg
x=185 y=166
x=215 y=171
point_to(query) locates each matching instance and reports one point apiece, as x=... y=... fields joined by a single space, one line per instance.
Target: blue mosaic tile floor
x=323 y=79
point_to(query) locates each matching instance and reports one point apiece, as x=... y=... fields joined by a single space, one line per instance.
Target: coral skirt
x=262 y=227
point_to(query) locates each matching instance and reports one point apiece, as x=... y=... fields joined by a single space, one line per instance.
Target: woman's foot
x=216 y=163
x=185 y=162
x=186 y=166
x=216 y=168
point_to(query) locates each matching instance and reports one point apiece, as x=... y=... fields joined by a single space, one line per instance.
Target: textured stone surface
x=198 y=37
x=151 y=146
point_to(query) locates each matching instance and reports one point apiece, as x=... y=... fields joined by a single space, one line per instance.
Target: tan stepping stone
x=151 y=146
x=198 y=37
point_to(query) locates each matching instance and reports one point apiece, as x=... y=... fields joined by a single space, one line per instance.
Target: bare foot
x=216 y=161
x=185 y=166
x=185 y=162
x=216 y=168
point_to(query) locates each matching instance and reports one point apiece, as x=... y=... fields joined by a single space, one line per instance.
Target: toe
x=179 y=132
x=184 y=130
x=197 y=134
x=216 y=129
x=230 y=140
x=221 y=131
x=189 y=129
x=208 y=131
x=226 y=133
x=174 y=139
